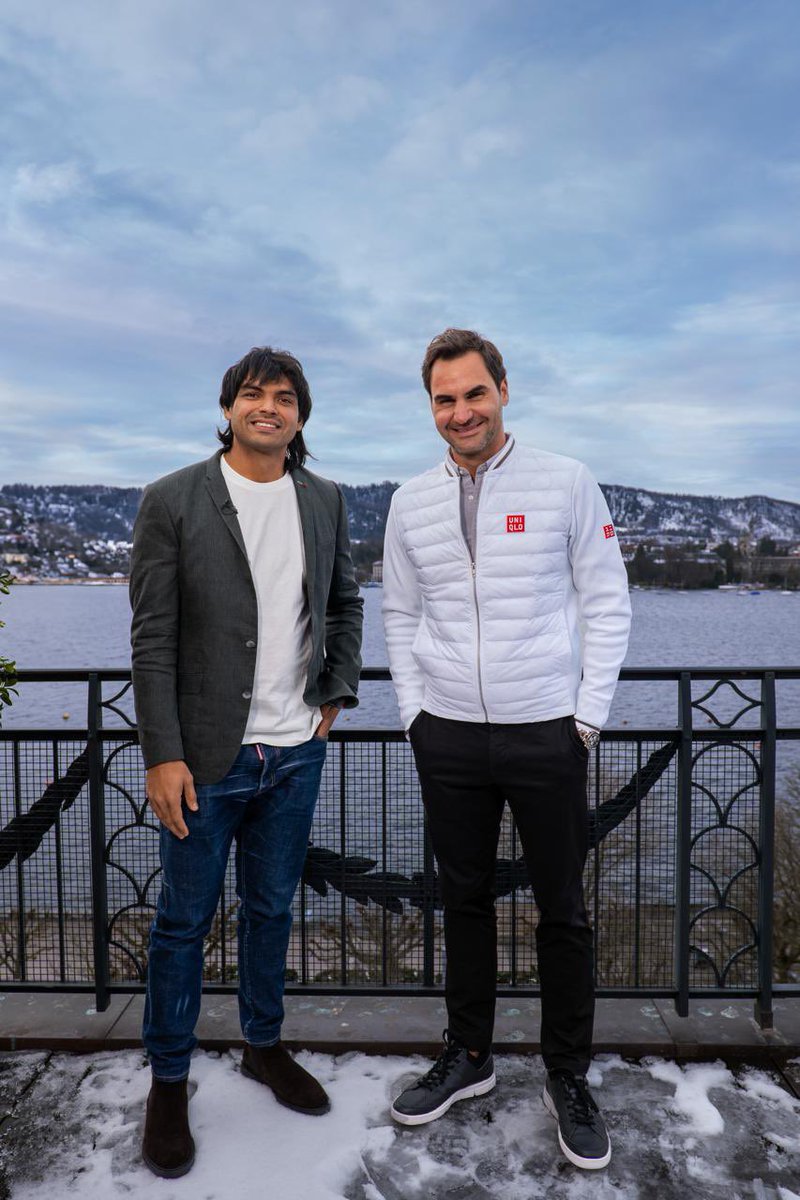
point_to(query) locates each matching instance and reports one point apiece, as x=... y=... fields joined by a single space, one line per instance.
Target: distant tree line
x=689 y=566
x=75 y=531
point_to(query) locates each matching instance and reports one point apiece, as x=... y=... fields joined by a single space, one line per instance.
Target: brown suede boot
x=290 y=1083
x=168 y=1146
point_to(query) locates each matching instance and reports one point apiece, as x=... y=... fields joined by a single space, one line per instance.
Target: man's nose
x=462 y=412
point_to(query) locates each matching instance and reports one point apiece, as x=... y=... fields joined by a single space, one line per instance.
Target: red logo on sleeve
x=608 y=531
x=516 y=523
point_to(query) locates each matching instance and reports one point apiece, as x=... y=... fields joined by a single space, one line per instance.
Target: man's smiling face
x=264 y=417
x=468 y=408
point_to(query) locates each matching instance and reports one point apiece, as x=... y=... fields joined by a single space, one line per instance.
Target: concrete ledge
x=57 y=1021
x=410 y=1025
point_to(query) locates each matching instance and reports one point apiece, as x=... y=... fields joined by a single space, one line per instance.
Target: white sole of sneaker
x=586 y=1164
x=467 y=1093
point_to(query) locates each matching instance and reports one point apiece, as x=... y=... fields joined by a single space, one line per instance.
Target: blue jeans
x=266 y=802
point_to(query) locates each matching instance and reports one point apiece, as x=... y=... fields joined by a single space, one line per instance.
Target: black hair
x=262 y=364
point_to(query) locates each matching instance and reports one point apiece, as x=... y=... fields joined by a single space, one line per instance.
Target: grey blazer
x=194 y=631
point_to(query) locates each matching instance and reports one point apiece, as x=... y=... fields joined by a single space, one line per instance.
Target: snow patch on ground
x=692 y=1085
x=698 y=1132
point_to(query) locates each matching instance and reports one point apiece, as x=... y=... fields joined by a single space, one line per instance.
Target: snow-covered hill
x=79 y=530
x=640 y=514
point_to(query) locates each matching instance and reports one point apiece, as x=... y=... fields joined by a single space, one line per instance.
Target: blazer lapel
x=222 y=501
x=306 y=509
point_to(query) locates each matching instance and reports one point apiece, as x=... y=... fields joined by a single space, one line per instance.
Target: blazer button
x=247 y=695
x=249 y=643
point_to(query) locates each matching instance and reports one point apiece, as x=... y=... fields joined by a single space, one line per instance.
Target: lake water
x=63 y=626
x=87 y=627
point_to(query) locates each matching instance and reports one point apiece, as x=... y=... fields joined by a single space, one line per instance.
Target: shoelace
x=435 y=1076
x=580 y=1104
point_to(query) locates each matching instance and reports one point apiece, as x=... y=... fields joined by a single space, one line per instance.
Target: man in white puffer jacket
x=507 y=615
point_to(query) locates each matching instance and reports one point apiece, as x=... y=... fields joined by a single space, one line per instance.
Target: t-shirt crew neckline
x=253 y=485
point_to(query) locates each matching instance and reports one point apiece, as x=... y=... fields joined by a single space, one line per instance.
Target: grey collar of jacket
x=496 y=461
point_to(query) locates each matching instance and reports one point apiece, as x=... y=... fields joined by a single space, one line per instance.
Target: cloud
x=339 y=103
x=748 y=316
x=609 y=194
x=46 y=184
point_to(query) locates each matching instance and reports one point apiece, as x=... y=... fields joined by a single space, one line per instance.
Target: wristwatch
x=590 y=737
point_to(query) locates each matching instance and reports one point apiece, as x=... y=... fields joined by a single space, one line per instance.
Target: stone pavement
x=71 y=1124
x=56 y=1048
x=407 y=1025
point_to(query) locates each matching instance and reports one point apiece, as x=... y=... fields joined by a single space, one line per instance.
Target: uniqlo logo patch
x=515 y=524
x=608 y=531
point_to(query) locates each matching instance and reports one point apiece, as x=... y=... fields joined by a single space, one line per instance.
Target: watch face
x=591 y=738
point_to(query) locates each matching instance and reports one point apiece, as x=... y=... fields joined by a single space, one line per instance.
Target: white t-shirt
x=270 y=523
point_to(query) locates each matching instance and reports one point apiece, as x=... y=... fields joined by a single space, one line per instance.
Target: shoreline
x=124 y=581
x=57 y=580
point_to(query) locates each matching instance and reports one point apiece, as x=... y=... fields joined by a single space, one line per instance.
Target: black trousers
x=467 y=772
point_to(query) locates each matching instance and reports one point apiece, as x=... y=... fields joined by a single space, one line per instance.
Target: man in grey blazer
x=245 y=639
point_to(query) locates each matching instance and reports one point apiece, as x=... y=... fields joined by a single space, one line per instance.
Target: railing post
x=384 y=868
x=97 y=833
x=683 y=841
x=428 y=910
x=22 y=955
x=343 y=856
x=766 y=845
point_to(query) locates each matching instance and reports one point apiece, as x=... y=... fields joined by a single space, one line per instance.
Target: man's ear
x=504 y=392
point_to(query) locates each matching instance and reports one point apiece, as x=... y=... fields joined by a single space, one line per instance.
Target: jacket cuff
x=155 y=751
x=333 y=689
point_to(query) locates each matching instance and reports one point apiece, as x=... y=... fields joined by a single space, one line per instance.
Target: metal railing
x=679 y=879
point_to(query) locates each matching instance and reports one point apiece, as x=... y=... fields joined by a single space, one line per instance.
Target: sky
x=607 y=189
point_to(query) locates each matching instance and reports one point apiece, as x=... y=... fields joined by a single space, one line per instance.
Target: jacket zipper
x=478 y=626
x=473 y=571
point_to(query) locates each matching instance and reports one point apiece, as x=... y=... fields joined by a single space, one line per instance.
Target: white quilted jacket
x=537 y=626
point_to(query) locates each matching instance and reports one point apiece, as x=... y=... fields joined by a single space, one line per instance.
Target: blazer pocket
x=190 y=682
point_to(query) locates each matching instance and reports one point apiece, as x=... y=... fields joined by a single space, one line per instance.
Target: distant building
x=377 y=572
x=775 y=570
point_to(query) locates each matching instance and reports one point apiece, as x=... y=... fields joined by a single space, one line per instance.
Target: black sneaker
x=452 y=1077
x=582 y=1134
